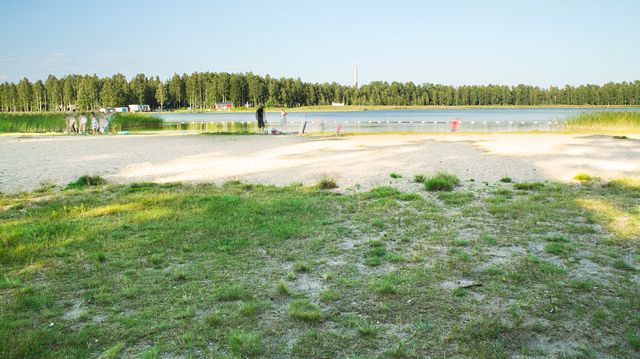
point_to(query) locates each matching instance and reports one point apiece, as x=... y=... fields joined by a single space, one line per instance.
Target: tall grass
x=605 y=121
x=31 y=122
x=135 y=121
x=54 y=122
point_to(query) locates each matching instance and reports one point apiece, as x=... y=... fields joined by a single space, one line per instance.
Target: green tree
x=138 y=86
x=24 y=94
x=161 y=94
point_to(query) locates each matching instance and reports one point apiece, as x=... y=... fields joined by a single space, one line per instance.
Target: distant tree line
x=201 y=90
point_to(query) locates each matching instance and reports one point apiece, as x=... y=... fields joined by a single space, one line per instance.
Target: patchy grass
x=528 y=186
x=441 y=181
x=505 y=180
x=151 y=271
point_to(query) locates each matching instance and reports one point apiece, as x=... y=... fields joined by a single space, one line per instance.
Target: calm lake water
x=486 y=119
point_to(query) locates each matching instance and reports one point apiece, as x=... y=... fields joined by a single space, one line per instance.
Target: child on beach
x=83 y=125
x=94 y=124
x=283 y=119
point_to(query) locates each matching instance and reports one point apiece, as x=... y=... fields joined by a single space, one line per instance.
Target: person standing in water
x=455 y=125
x=260 y=117
x=283 y=118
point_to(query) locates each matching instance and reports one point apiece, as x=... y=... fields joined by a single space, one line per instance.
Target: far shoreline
x=363 y=108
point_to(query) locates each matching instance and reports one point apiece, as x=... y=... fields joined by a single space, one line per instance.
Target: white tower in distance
x=356 y=76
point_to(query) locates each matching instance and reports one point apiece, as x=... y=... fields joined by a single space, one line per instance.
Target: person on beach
x=283 y=118
x=94 y=124
x=102 y=124
x=455 y=125
x=260 y=117
x=83 y=125
x=71 y=124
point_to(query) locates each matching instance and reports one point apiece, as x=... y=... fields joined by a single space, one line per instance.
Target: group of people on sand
x=78 y=124
x=262 y=121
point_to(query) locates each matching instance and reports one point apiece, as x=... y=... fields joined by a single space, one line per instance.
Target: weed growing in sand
x=419 y=178
x=505 y=180
x=87 y=181
x=583 y=177
x=395 y=175
x=528 y=186
x=327 y=183
x=442 y=181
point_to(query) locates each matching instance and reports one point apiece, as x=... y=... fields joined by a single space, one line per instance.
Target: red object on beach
x=455 y=125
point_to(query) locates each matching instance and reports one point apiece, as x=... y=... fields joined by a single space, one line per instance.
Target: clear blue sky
x=450 y=42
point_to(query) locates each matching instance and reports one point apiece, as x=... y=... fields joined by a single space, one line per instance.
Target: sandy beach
x=354 y=161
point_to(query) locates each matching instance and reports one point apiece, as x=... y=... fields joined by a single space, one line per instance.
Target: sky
x=455 y=42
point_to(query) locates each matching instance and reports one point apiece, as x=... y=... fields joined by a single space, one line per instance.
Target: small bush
x=505 y=179
x=245 y=344
x=304 y=310
x=87 y=181
x=442 y=181
x=528 y=186
x=327 y=183
x=419 y=178
x=395 y=175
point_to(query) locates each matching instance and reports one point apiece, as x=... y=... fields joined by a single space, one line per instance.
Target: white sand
x=25 y=162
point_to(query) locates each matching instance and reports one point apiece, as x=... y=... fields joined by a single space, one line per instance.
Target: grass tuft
x=505 y=180
x=529 y=186
x=231 y=292
x=395 y=175
x=583 y=177
x=441 y=181
x=304 y=310
x=244 y=343
x=327 y=183
x=87 y=181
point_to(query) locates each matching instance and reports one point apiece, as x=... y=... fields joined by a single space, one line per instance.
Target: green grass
x=304 y=310
x=244 y=343
x=605 y=121
x=87 y=181
x=395 y=175
x=55 y=122
x=148 y=270
x=528 y=186
x=441 y=181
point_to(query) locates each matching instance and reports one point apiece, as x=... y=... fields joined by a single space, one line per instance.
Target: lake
x=436 y=120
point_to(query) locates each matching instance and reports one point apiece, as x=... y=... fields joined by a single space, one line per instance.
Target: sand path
x=25 y=162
